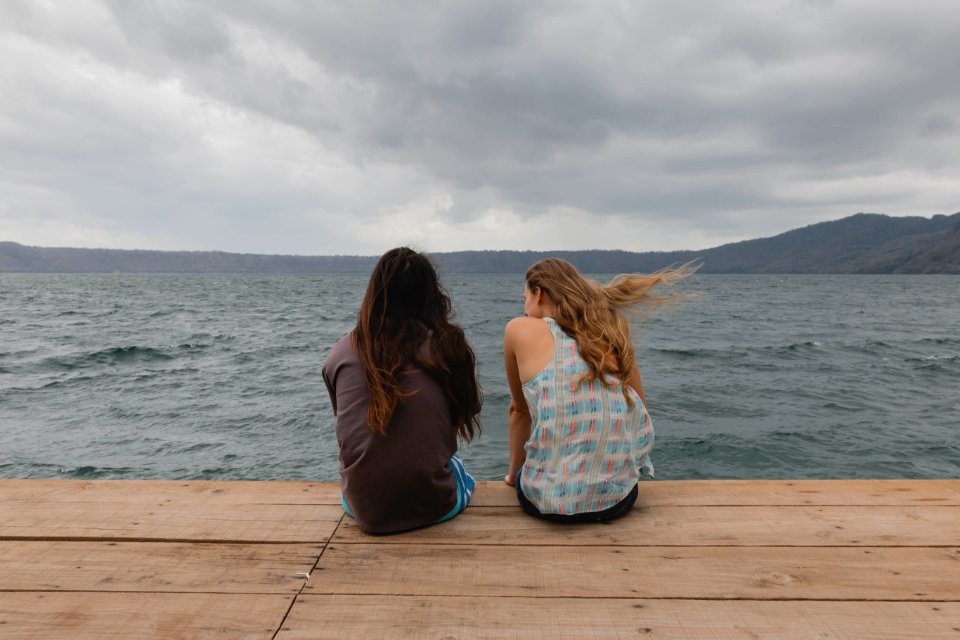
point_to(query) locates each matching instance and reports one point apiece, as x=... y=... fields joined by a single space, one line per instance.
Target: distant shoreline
x=862 y=243
x=452 y=273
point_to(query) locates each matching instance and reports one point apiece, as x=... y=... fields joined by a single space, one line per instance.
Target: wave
x=194 y=346
x=276 y=350
x=90 y=471
x=789 y=350
x=948 y=366
x=935 y=358
x=797 y=346
x=126 y=354
x=837 y=406
x=870 y=347
x=940 y=340
x=199 y=446
x=111 y=356
x=688 y=353
x=170 y=311
x=732 y=353
x=199 y=341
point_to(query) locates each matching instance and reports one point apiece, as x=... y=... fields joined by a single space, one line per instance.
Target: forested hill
x=863 y=243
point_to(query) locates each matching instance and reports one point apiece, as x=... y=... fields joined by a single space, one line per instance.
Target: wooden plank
x=174 y=521
x=156 y=492
x=121 y=616
x=665 y=525
x=496 y=493
x=767 y=492
x=641 y=572
x=155 y=566
x=374 y=617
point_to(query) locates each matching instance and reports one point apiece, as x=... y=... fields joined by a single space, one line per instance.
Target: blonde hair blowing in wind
x=597 y=316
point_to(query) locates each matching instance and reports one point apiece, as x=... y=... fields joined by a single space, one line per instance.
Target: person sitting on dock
x=580 y=435
x=403 y=387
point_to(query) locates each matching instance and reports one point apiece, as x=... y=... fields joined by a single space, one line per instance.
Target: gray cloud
x=252 y=119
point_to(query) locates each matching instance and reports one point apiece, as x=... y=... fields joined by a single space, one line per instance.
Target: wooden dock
x=832 y=559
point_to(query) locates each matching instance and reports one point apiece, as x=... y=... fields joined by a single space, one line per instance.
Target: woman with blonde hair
x=580 y=435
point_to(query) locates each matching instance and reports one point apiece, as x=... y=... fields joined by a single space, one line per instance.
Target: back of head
x=596 y=316
x=577 y=299
x=404 y=307
x=403 y=290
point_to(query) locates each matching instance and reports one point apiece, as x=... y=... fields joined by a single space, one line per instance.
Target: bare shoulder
x=524 y=326
x=528 y=343
x=525 y=335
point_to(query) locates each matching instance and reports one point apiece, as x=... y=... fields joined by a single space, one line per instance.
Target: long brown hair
x=596 y=315
x=404 y=307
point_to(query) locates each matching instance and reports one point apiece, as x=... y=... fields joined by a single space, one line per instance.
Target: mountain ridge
x=861 y=243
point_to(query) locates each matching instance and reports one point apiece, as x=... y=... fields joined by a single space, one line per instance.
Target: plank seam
x=310 y=594
x=474 y=507
x=441 y=543
x=748 y=504
x=583 y=597
x=159 y=540
x=199 y=503
x=312 y=571
x=436 y=543
x=284 y=594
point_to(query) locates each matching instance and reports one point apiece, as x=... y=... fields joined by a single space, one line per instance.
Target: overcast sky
x=350 y=127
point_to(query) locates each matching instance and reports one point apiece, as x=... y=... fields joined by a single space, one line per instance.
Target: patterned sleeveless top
x=587 y=445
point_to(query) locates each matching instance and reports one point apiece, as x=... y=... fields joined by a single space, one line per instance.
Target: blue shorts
x=465 y=485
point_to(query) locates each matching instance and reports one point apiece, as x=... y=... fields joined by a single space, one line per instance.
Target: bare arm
x=519 y=421
x=637 y=385
x=518 y=418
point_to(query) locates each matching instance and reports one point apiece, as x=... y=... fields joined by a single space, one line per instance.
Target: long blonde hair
x=596 y=316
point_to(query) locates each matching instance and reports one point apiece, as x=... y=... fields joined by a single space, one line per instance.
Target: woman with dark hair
x=580 y=435
x=403 y=387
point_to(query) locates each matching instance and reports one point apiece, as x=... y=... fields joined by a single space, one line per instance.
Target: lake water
x=218 y=376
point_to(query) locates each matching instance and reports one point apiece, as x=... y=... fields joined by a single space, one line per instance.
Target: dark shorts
x=617 y=510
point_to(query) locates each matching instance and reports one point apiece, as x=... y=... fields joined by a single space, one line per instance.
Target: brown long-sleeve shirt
x=402 y=480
